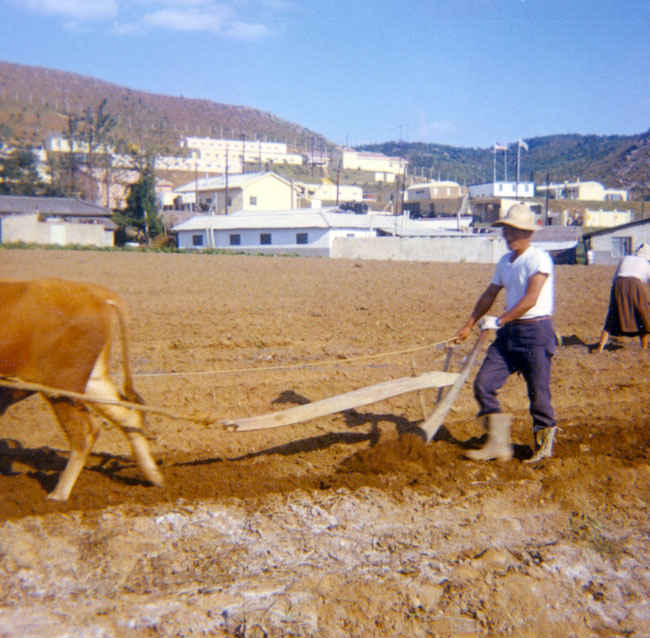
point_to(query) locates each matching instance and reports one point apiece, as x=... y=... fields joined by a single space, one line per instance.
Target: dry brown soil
x=347 y=525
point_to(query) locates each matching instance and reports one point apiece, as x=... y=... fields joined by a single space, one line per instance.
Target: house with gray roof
x=54 y=220
x=306 y=231
x=609 y=245
x=301 y=231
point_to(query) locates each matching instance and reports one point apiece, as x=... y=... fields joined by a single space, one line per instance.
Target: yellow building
x=384 y=167
x=588 y=191
x=250 y=191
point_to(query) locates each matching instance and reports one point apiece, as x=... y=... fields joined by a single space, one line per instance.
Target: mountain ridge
x=36 y=101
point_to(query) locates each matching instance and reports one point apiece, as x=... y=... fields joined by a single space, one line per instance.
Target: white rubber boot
x=498 y=445
x=544 y=444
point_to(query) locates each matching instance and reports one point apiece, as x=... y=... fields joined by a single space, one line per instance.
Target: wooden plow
x=453 y=381
x=371 y=394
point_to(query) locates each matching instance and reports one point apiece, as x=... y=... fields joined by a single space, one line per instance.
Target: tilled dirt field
x=348 y=525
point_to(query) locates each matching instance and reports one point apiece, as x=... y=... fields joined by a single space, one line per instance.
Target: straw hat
x=518 y=216
x=643 y=251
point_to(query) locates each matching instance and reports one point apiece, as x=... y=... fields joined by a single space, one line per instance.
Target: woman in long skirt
x=629 y=313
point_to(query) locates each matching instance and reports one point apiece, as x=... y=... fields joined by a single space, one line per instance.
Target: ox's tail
x=128 y=389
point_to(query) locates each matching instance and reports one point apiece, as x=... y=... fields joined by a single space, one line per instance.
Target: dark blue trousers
x=525 y=348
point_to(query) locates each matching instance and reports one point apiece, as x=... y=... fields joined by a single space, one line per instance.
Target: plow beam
x=341 y=402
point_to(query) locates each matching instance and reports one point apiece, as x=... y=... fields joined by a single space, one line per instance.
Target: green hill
x=616 y=161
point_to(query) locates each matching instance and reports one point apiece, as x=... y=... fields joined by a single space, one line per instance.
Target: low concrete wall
x=28 y=229
x=465 y=248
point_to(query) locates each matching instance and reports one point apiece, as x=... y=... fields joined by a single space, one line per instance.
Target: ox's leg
x=130 y=422
x=82 y=434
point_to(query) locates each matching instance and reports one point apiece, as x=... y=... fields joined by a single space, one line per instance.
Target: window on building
x=621 y=246
x=235 y=239
x=265 y=238
x=197 y=240
x=301 y=238
x=252 y=200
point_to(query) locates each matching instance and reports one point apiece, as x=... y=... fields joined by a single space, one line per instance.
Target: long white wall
x=465 y=248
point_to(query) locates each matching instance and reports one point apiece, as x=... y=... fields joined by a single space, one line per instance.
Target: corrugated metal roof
x=558 y=233
x=65 y=206
x=612 y=229
x=218 y=183
x=299 y=218
x=320 y=218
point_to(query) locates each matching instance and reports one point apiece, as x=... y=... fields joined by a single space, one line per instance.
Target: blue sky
x=459 y=72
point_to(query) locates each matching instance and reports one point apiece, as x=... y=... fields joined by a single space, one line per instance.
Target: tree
x=70 y=164
x=95 y=130
x=141 y=211
x=19 y=174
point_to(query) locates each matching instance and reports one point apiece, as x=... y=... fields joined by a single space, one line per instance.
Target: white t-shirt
x=514 y=276
x=634 y=266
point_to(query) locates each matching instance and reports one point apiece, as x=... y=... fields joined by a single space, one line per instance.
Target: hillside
x=617 y=161
x=34 y=102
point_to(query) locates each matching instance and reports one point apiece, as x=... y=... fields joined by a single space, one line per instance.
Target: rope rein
x=294 y=366
x=19 y=384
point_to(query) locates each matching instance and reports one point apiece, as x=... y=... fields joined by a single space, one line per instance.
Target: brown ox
x=58 y=333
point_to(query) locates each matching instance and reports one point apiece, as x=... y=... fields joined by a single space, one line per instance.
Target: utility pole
x=243 y=153
x=517 y=182
x=196 y=183
x=403 y=191
x=338 y=182
x=226 y=192
x=548 y=184
x=520 y=143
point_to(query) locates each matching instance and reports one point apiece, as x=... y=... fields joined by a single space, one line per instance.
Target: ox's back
x=52 y=331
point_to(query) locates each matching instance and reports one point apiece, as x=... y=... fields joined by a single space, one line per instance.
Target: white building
x=209 y=155
x=201 y=154
x=608 y=246
x=304 y=231
x=512 y=190
x=384 y=167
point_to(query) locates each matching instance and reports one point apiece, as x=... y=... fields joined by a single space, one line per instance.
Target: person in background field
x=525 y=338
x=629 y=314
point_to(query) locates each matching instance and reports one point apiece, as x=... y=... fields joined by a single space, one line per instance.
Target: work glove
x=489 y=323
